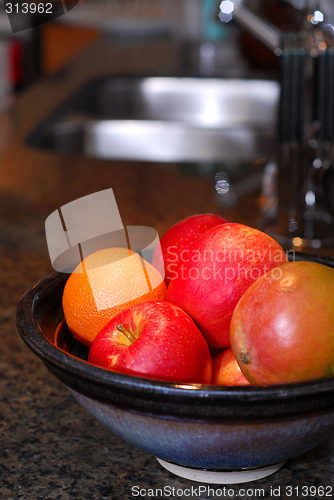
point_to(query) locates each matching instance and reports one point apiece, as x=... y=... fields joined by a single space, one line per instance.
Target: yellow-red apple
x=282 y=329
x=226 y=370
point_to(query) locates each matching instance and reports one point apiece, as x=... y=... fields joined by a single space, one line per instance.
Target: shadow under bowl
x=205 y=433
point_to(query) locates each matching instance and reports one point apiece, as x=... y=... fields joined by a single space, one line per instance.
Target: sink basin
x=164 y=119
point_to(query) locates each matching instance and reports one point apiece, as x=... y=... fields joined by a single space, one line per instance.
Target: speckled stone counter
x=50 y=447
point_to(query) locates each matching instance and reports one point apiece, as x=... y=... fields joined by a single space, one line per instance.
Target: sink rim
x=84 y=129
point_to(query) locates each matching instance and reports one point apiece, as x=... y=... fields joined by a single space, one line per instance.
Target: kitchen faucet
x=305 y=185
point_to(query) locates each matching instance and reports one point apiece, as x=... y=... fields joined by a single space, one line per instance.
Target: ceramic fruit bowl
x=205 y=433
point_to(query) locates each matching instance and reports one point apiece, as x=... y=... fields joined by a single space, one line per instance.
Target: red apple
x=226 y=370
x=282 y=329
x=220 y=267
x=154 y=339
x=177 y=239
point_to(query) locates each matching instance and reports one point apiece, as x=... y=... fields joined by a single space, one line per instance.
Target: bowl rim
x=105 y=385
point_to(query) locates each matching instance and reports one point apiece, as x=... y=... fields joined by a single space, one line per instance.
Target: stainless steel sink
x=164 y=119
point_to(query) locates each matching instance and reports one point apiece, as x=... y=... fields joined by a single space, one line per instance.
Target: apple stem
x=128 y=333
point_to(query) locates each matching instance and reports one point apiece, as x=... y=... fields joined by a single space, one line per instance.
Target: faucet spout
x=268 y=34
x=257 y=26
x=304 y=216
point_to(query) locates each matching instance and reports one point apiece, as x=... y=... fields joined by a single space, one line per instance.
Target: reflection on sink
x=165 y=119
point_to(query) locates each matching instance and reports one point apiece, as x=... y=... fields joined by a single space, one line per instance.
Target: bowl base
x=218 y=476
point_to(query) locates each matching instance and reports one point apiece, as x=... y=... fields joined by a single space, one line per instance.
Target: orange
x=105 y=283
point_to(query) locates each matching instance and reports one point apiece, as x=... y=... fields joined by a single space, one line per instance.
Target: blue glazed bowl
x=206 y=433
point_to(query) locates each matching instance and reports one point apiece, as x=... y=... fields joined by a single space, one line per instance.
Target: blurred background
x=36 y=51
x=254 y=119
x=243 y=43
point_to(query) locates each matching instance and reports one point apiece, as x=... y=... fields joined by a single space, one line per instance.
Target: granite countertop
x=50 y=447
